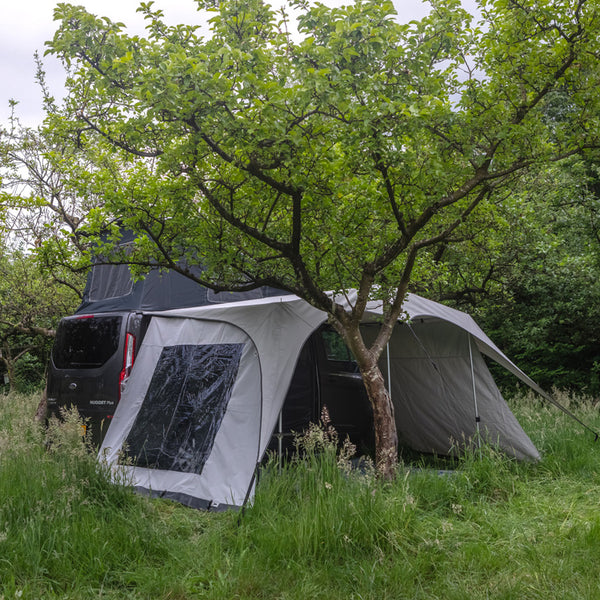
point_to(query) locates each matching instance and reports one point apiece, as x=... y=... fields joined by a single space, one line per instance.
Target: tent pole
x=280 y=438
x=477 y=418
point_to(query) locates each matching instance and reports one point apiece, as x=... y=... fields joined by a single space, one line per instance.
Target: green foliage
x=31 y=304
x=530 y=277
x=30 y=374
x=314 y=160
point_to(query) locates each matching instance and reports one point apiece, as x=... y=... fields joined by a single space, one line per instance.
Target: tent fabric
x=418 y=307
x=431 y=362
x=434 y=396
x=226 y=468
x=278 y=327
x=110 y=288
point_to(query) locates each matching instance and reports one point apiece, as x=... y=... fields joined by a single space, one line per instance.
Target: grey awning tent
x=209 y=383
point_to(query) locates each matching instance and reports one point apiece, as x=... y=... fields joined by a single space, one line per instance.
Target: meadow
x=484 y=527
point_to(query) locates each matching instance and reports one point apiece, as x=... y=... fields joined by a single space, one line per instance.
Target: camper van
x=93 y=355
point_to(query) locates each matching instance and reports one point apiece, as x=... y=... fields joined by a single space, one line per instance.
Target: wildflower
x=447 y=526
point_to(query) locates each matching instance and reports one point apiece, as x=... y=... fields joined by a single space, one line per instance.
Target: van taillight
x=128 y=358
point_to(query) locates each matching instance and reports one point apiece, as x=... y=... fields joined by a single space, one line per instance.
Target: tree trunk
x=10 y=371
x=384 y=423
x=9 y=365
x=42 y=409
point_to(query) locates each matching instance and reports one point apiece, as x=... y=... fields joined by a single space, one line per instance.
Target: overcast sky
x=26 y=24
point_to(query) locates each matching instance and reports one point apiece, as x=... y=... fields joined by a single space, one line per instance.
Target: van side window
x=335 y=347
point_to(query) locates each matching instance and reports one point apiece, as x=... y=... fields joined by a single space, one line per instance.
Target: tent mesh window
x=110 y=281
x=178 y=421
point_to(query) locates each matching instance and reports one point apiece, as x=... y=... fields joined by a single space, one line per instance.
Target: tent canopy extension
x=209 y=383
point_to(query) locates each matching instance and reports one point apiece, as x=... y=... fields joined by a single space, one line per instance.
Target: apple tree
x=332 y=154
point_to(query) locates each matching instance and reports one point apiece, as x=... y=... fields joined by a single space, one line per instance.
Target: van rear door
x=86 y=363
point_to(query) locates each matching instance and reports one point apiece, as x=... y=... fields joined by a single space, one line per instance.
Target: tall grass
x=65 y=530
x=491 y=528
